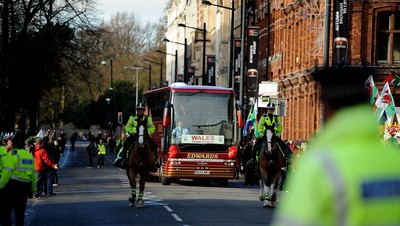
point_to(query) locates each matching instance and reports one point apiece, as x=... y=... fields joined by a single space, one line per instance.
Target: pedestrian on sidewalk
x=50 y=171
x=41 y=161
x=91 y=151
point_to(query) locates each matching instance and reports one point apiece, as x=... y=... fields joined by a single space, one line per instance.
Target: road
x=91 y=196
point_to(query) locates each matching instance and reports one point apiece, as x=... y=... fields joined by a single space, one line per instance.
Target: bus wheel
x=165 y=181
x=223 y=182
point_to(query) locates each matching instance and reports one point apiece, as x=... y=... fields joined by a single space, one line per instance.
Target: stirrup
x=250 y=163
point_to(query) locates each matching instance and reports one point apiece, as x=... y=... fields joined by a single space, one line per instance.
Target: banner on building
x=252 y=47
x=252 y=83
x=340 y=33
x=210 y=71
x=237 y=63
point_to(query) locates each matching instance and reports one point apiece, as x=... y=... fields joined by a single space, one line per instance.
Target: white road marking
x=168 y=209
x=176 y=217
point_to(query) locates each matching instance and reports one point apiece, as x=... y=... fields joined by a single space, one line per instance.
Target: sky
x=147 y=10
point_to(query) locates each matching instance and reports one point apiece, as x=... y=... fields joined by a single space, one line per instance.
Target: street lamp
x=204 y=47
x=112 y=122
x=230 y=73
x=137 y=81
x=176 y=61
x=161 y=67
x=185 y=66
x=147 y=68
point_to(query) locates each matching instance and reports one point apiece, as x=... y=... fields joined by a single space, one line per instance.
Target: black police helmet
x=270 y=106
x=140 y=106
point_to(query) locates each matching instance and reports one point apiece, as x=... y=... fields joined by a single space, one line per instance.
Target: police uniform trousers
x=14 y=197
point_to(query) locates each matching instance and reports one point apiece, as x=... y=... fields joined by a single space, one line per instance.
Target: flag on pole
x=385 y=103
x=40 y=134
x=251 y=120
x=373 y=90
x=393 y=78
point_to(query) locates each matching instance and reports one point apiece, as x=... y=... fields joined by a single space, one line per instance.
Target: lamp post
x=161 y=67
x=204 y=47
x=112 y=119
x=137 y=81
x=185 y=66
x=230 y=73
x=176 y=61
x=147 y=68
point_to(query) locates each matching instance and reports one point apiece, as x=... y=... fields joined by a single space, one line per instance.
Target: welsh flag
x=251 y=120
x=393 y=78
x=373 y=90
x=385 y=103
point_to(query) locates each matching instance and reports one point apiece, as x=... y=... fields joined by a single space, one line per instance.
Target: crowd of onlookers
x=47 y=148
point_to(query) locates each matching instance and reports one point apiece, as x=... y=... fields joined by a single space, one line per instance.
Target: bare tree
x=39 y=45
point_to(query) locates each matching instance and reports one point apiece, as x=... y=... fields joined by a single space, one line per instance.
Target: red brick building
x=292 y=43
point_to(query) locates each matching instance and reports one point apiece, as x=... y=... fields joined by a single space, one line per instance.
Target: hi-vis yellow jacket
x=266 y=121
x=101 y=149
x=19 y=165
x=347 y=177
x=3 y=154
x=131 y=125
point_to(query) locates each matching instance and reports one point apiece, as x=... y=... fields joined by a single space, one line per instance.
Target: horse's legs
x=275 y=189
x=262 y=184
x=142 y=182
x=264 y=189
x=132 y=182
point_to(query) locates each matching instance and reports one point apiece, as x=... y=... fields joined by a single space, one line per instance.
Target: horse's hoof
x=140 y=204
x=273 y=198
x=131 y=202
x=261 y=198
x=269 y=205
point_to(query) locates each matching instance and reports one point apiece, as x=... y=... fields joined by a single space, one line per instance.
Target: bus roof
x=183 y=87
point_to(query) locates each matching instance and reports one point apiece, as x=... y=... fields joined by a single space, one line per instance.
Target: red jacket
x=42 y=158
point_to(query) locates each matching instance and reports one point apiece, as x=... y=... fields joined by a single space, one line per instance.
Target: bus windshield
x=203 y=118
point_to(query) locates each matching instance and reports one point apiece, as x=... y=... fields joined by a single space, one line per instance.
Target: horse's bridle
x=269 y=134
x=140 y=141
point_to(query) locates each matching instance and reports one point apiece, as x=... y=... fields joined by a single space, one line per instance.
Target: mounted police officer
x=17 y=182
x=130 y=128
x=272 y=122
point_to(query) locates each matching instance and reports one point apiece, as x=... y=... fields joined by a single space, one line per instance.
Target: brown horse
x=270 y=164
x=140 y=160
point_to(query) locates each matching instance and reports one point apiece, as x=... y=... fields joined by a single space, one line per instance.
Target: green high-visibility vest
x=19 y=165
x=348 y=176
x=102 y=149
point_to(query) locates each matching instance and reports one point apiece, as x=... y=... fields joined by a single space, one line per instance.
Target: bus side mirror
x=167 y=114
x=240 y=116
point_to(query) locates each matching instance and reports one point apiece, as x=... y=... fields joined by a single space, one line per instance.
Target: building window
x=388 y=38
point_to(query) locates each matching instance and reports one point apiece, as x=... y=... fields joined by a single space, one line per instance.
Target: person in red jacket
x=41 y=160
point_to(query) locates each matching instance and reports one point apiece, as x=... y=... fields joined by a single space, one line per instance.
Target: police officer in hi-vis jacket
x=17 y=182
x=130 y=128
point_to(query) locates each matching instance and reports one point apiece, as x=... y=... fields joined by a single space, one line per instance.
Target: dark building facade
x=292 y=46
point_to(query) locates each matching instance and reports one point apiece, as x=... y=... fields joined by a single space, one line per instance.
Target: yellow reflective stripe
x=24 y=168
x=8 y=168
x=17 y=178
x=339 y=186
